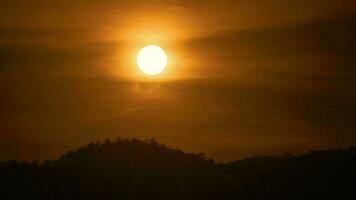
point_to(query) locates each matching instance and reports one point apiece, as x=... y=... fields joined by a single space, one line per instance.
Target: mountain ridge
x=134 y=169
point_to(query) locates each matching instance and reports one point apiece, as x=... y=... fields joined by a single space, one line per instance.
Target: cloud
x=259 y=90
x=314 y=51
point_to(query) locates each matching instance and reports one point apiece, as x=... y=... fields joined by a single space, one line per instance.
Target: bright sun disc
x=151 y=60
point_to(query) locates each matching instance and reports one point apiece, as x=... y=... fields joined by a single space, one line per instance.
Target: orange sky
x=244 y=78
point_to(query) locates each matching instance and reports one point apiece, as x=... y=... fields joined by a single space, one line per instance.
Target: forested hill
x=133 y=169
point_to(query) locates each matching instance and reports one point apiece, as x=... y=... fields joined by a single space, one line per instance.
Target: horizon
x=151 y=141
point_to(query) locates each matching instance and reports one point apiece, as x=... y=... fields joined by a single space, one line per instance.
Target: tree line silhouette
x=132 y=169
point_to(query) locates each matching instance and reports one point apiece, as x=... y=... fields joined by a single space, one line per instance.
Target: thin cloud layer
x=259 y=81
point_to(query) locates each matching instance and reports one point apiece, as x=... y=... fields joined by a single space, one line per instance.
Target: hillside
x=133 y=169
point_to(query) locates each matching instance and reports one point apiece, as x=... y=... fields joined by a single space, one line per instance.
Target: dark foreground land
x=132 y=169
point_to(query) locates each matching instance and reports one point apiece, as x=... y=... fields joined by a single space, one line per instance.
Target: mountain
x=134 y=169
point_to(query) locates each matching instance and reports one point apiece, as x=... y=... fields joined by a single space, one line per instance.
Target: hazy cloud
x=281 y=84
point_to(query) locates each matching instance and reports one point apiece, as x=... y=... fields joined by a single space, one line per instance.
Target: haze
x=244 y=78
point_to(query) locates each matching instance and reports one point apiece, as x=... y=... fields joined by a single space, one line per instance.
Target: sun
x=152 y=60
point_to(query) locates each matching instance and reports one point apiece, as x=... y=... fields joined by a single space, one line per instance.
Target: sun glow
x=152 y=60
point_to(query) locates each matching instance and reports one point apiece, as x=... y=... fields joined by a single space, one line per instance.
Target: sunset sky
x=243 y=77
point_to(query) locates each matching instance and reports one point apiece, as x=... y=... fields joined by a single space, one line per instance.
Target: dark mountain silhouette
x=133 y=169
